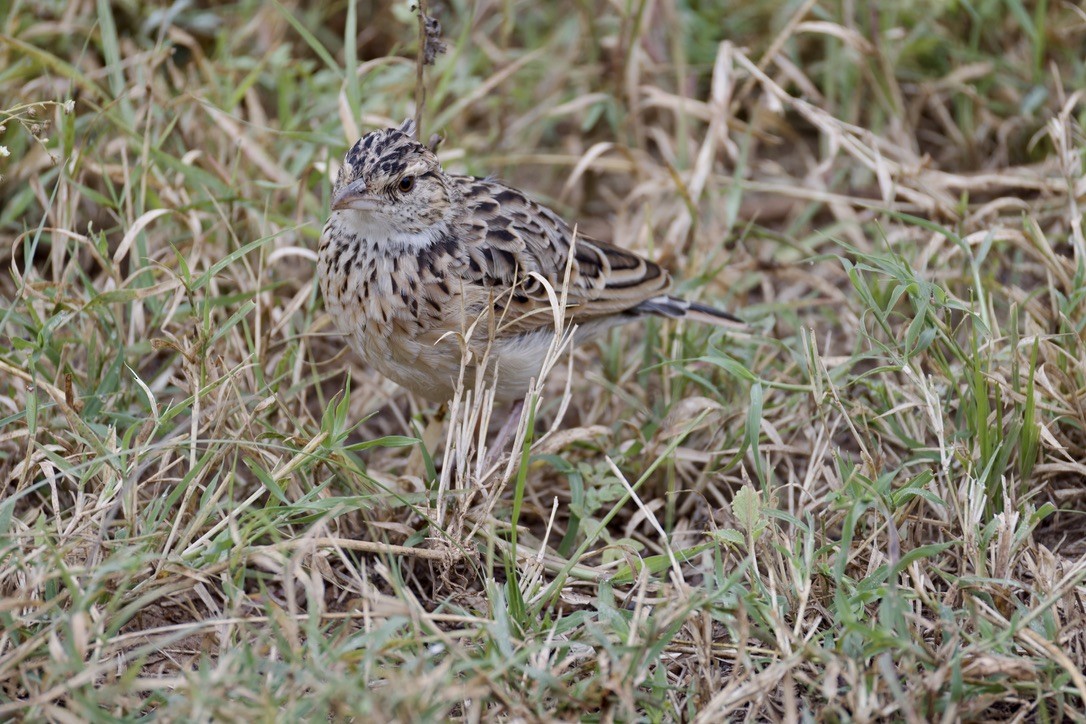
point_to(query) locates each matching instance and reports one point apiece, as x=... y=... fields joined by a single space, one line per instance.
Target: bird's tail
x=666 y=305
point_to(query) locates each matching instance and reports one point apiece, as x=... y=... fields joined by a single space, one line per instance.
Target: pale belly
x=419 y=347
x=434 y=368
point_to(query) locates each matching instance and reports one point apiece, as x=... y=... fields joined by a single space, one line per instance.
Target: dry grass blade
x=868 y=507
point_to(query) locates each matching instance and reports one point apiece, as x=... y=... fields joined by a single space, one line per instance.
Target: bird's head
x=390 y=186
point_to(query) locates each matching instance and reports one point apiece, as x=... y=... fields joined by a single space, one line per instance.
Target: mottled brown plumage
x=411 y=258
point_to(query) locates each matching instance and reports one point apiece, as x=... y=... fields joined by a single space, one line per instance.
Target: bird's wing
x=509 y=236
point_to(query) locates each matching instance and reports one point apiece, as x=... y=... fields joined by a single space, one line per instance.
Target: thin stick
x=420 y=63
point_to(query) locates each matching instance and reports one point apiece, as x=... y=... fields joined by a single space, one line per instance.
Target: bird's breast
x=417 y=318
x=395 y=310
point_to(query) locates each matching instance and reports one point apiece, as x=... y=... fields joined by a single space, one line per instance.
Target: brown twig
x=430 y=46
x=420 y=63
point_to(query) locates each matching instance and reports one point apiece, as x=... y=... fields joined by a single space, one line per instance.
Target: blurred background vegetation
x=869 y=508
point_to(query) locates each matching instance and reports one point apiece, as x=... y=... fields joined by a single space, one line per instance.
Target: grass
x=869 y=508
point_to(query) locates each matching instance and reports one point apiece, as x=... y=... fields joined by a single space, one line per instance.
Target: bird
x=417 y=265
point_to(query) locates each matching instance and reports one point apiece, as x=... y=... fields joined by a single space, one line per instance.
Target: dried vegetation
x=871 y=507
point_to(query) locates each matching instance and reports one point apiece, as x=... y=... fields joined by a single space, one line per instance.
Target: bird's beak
x=354 y=195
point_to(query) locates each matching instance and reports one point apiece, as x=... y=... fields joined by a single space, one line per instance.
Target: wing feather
x=509 y=236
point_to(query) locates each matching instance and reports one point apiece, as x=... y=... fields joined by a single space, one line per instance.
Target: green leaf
x=657 y=564
x=386 y=441
x=915 y=554
x=268 y=482
x=747 y=509
x=754 y=432
x=729 y=535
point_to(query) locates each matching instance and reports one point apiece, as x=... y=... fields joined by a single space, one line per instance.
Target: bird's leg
x=508 y=430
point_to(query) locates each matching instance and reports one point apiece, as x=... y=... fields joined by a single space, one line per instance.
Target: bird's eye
x=406 y=183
